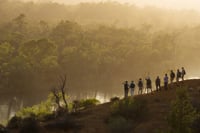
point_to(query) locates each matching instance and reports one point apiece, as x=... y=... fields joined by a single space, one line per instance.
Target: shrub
x=129 y=108
x=29 y=125
x=88 y=103
x=3 y=129
x=195 y=126
x=65 y=123
x=114 y=99
x=40 y=110
x=119 y=125
x=182 y=113
x=77 y=105
x=14 y=122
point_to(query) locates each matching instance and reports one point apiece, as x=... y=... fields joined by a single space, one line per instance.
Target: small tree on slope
x=182 y=113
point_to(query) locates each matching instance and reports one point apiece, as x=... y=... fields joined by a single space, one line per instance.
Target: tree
x=182 y=113
x=59 y=93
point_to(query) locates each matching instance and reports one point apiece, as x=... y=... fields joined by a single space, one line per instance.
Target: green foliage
x=85 y=103
x=34 y=47
x=40 y=110
x=182 y=114
x=124 y=113
x=130 y=108
x=82 y=104
x=119 y=125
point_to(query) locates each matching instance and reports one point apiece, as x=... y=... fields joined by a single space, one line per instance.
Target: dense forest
x=96 y=45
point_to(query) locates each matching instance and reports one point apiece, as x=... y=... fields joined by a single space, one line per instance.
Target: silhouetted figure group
x=179 y=75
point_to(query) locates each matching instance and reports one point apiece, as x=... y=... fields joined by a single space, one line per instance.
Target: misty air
x=98 y=66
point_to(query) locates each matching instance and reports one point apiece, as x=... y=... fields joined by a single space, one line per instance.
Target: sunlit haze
x=170 y=4
x=59 y=56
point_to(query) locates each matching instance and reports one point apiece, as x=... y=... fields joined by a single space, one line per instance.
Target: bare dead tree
x=56 y=95
x=62 y=89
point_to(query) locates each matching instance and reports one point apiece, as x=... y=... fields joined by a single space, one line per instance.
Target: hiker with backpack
x=157 y=82
x=140 y=86
x=172 y=76
x=166 y=82
x=132 y=88
x=148 y=84
x=126 y=89
x=183 y=73
x=178 y=75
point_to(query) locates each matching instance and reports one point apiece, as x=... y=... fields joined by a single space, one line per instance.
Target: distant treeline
x=111 y=13
x=96 y=57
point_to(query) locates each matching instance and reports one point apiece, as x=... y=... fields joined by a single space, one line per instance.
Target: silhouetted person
x=178 y=75
x=126 y=88
x=166 y=82
x=132 y=88
x=157 y=82
x=183 y=73
x=140 y=86
x=172 y=76
x=148 y=84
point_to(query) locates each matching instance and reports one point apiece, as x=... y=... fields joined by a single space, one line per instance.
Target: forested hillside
x=97 y=46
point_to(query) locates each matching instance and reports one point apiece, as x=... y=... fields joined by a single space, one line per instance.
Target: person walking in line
x=157 y=82
x=148 y=84
x=166 y=82
x=178 y=75
x=183 y=73
x=140 y=86
x=172 y=76
x=132 y=88
x=126 y=88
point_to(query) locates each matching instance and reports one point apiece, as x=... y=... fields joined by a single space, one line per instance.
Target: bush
x=125 y=112
x=182 y=113
x=130 y=108
x=195 y=126
x=29 y=125
x=119 y=125
x=3 y=129
x=114 y=99
x=40 y=110
x=65 y=123
x=77 y=105
x=88 y=103
x=14 y=122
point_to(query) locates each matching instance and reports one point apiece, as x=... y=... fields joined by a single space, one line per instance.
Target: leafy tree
x=182 y=113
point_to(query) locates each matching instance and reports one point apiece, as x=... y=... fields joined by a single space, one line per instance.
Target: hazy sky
x=175 y=4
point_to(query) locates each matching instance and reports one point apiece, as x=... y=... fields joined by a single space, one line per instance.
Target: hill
x=95 y=119
x=158 y=105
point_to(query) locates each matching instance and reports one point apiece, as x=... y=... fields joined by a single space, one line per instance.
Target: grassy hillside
x=153 y=118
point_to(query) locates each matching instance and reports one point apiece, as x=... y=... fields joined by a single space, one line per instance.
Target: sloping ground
x=93 y=119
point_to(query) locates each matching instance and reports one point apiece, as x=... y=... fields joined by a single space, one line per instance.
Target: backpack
x=140 y=84
x=132 y=85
